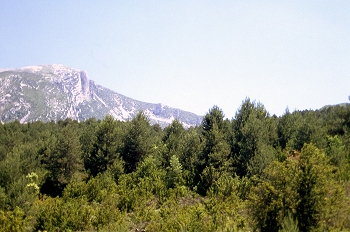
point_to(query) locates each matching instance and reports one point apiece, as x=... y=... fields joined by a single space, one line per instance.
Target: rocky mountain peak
x=55 y=92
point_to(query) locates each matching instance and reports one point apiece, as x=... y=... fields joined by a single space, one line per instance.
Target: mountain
x=56 y=92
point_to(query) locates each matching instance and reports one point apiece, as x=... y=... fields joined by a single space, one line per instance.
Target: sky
x=191 y=55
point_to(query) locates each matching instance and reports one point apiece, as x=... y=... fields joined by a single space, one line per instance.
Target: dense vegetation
x=256 y=172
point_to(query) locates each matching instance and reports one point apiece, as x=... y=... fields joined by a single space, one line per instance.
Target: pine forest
x=254 y=172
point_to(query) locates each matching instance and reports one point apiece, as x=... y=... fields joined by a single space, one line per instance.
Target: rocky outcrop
x=55 y=92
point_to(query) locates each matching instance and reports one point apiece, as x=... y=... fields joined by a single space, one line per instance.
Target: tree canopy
x=255 y=172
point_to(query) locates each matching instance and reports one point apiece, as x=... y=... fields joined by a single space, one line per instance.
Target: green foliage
x=262 y=158
x=338 y=156
x=289 y=224
x=14 y=189
x=220 y=211
x=214 y=159
x=83 y=206
x=12 y=221
x=172 y=138
x=189 y=156
x=137 y=142
x=253 y=173
x=117 y=168
x=215 y=116
x=311 y=187
x=57 y=214
x=63 y=161
x=273 y=195
x=336 y=151
x=104 y=150
x=297 y=128
x=96 y=189
x=140 y=188
x=303 y=185
x=253 y=133
x=174 y=174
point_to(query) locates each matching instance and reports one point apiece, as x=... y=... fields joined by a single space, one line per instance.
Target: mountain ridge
x=56 y=92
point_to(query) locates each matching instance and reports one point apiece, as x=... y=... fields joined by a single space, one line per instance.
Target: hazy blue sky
x=191 y=54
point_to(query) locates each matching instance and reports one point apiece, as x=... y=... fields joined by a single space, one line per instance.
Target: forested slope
x=256 y=172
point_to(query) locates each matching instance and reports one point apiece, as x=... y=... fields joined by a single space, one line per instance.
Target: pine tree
x=137 y=142
x=213 y=160
x=172 y=138
x=254 y=132
x=62 y=161
x=104 y=150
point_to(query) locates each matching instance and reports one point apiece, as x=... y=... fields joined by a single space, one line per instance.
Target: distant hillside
x=57 y=92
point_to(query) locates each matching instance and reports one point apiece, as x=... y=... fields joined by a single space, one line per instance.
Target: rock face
x=57 y=92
